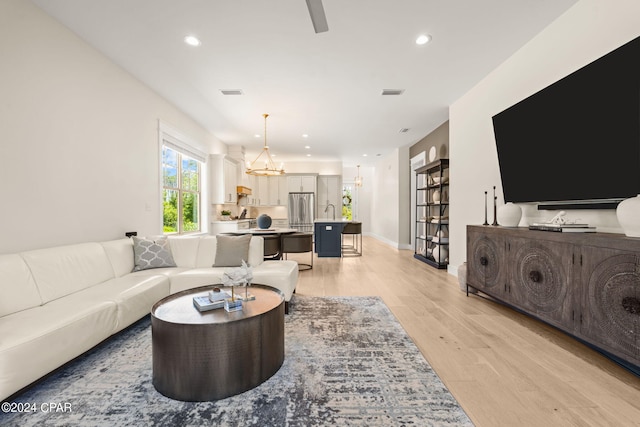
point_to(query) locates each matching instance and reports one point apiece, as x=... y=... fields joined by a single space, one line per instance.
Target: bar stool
x=355 y=230
x=298 y=243
x=272 y=247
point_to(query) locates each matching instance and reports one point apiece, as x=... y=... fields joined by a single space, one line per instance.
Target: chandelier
x=358 y=179
x=264 y=166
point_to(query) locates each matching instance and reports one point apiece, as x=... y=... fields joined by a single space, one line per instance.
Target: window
x=181 y=185
x=347 y=201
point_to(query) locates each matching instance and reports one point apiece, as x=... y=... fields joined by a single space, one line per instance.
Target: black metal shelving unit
x=432 y=214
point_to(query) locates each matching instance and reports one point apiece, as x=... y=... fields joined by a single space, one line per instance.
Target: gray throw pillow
x=232 y=250
x=151 y=252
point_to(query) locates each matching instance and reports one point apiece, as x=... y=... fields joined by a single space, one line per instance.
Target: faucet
x=334 y=210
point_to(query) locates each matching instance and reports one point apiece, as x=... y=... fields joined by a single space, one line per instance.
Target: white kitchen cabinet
x=263 y=190
x=232 y=226
x=230 y=181
x=259 y=191
x=223 y=179
x=301 y=183
x=268 y=191
x=280 y=223
x=329 y=193
x=278 y=191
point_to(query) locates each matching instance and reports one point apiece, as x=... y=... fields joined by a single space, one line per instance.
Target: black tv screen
x=579 y=138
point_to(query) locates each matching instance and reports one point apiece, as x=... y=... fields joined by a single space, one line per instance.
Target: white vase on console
x=509 y=215
x=628 y=213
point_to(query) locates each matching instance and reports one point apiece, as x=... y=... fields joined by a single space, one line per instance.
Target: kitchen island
x=328 y=237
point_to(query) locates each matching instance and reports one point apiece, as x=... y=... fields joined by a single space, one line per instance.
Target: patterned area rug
x=348 y=362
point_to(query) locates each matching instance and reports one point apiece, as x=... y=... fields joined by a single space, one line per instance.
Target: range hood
x=243 y=191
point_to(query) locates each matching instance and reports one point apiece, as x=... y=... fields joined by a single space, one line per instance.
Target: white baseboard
x=386 y=241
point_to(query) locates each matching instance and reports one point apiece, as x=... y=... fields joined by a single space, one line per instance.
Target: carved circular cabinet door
x=486 y=261
x=615 y=300
x=539 y=272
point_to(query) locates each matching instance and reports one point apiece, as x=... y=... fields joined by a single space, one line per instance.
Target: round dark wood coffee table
x=200 y=356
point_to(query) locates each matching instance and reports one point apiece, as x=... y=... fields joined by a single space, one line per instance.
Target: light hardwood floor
x=504 y=368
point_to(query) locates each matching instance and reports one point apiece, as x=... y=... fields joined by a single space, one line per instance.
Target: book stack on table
x=211 y=301
x=562 y=228
x=215 y=299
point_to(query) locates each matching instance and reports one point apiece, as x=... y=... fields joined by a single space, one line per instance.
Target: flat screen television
x=577 y=140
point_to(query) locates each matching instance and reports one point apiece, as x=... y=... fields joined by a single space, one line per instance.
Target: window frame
x=183 y=147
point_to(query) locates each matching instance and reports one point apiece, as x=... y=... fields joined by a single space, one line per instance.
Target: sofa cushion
x=64 y=270
x=282 y=274
x=207 y=251
x=184 y=250
x=17 y=287
x=232 y=250
x=196 y=277
x=256 y=251
x=37 y=341
x=152 y=252
x=133 y=294
x=120 y=254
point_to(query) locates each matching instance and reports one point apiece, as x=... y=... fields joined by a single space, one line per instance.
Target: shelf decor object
x=485 y=209
x=509 y=215
x=495 y=207
x=628 y=213
x=269 y=169
x=264 y=221
x=233 y=277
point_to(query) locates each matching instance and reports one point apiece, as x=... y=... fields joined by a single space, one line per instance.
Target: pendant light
x=263 y=164
x=358 y=179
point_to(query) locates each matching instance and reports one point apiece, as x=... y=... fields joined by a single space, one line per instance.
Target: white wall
x=390 y=217
x=364 y=193
x=79 y=146
x=584 y=33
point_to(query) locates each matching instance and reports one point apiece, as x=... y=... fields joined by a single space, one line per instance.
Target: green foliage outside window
x=347 y=201
x=170 y=211
x=181 y=192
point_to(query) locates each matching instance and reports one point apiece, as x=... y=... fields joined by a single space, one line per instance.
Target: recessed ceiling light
x=307 y=146
x=364 y=155
x=392 y=92
x=257 y=135
x=231 y=91
x=423 y=39
x=308 y=155
x=304 y=135
x=192 y=41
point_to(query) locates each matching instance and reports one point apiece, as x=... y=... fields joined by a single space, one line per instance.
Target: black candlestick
x=495 y=207
x=485 y=209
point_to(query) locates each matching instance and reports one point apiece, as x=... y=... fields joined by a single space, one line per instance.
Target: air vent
x=404 y=130
x=231 y=91
x=392 y=91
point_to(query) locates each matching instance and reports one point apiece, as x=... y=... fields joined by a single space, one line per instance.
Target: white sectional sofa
x=59 y=302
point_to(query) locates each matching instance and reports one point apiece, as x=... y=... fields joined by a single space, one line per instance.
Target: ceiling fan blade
x=317 y=16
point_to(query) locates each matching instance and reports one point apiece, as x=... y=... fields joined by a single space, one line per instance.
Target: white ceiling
x=326 y=85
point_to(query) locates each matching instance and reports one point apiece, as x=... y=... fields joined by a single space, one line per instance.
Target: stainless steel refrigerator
x=302 y=211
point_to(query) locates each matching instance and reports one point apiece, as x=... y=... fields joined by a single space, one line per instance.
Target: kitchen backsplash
x=275 y=212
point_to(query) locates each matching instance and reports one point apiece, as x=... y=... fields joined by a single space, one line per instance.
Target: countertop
x=258 y=231
x=234 y=221
x=342 y=221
